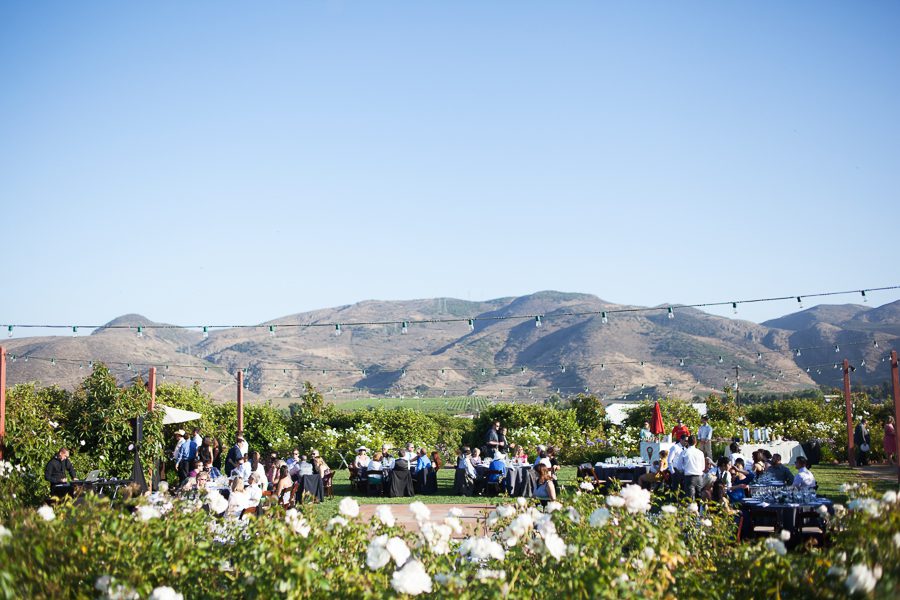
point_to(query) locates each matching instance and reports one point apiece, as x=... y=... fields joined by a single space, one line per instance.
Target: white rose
x=412 y=579
x=385 y=515
x=349 y=507
x=776 y=545
x=398 y=549
x=377 y=554
x=336 y=522
x=669 y=509
x=785 y=535
x=599 y=517
x=615 y=501
x=46 y=513
x=165 y=593
x=420 y=511
x=861 y=579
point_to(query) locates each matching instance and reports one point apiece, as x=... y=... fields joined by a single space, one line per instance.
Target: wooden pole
x=895 y=381
x=2 y=402
x=151 y=384
x=240 y=401
x=851 y=460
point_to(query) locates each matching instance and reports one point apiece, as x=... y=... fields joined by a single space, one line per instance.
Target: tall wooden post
x=2 y=402
x=240 y=401
x=895 y=381
x=851 y=459
x=151 y=385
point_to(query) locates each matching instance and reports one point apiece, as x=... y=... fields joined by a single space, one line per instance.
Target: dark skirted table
x=629 y=473
x=312 y=485
x=782 y=516
x=519 y=481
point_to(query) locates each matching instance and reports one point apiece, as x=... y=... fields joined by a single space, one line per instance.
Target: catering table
x=312 y=485
x=781 y=515
x=519 y=481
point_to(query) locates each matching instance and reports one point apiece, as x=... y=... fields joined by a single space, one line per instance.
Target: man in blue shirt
x=423 y=462
x=187 y=453
x=498 y=464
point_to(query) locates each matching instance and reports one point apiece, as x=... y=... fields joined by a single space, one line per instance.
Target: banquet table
x=519 y=481
x=312 y=485
x=783 y=515
x=605 y=471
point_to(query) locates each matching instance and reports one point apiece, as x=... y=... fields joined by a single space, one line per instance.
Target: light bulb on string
x=74 y=330
x=483 y=372
x=403 y=373
x=759 y=356
x=797 y=352
x=681 y=362
x=12 y=357
x=90 y=364
x=53 y=361
x=874 y=343
x=721 y=360
x=537 y=321
x=271 y=331
x=602 y=367
x=9 y=329
x=129 y=366
x=205 y=332
x=642 y=363
x=603 y=318
x=862 y=363
x=734 y=307
x=799 y=301
x=337 y=329
x=471 y=324
x=81 y=366
x=523 y=369
x=562 y=368
x=671 y=313
x=140 y=331
x=404 y=327
x=863 y=292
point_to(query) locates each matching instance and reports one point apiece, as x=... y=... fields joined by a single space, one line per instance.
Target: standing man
x=198 y=439
x=492 y=439
x=179 y=440
x=232 y=459
x=862 y=441
x=57 y=468
x=693 y=463
x=676 y=469
x=704 y=437
x=187 y=453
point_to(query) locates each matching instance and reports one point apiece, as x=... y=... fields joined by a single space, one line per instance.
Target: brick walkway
x=473 y=517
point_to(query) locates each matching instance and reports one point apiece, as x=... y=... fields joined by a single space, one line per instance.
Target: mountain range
x=504 y=354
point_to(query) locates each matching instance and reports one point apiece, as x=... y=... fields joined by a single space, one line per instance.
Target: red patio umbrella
x=656 y=422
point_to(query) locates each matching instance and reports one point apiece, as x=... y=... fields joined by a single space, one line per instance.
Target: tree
x=589 y=412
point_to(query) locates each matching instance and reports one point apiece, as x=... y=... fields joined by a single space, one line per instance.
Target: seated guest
x=546 y=489
x=272 y=468
x=387 y=460
x=735 y=453
x=464 y=462
x=375 y=465
x=257 y=467
x=741 y=474
x=242 y=470
x=410 y=454
x=779 y=471
x=767 y=457
x=710 y=474
x=294 y=457
x=645 y=434
x=423 y=461
x=520 y=457
x=804 y=479
x=552 y=454
x=362 y=459
x=254 y=490
x=201 y=481
x=238 y=500
x=541 y=453
x=212 y=470
x=497 y=464
x=476 y=457
x=282 y=483
x=194 y=469
x=722 y=485
x=759 y=463
x=319 y=465
x=303 y=467
x=657 y=472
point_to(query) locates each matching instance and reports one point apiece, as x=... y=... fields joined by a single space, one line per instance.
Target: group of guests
x=684 y=467
x=474 y=475
x=862 y=441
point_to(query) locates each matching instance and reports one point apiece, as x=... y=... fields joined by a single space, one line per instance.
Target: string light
x=863 y=292
x=837 y=348
x=471 y=324
x=798 y=353
x=537 y=321
x=9 y=329
x=759 y=356
x=140 y=331
x=799 y=302
x=734 y=307
x=271 y=331
x=681 y=362
x=74 y=330
x=404 y=327
x=562 y=368
x=337 y=329
x=205 y=332
x=721 y=360
x=671 y=313
x=603 y=318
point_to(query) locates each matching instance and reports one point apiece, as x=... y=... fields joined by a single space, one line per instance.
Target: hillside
x=505 y=355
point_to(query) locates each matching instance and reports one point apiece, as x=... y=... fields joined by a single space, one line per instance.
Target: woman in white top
x=362 y=459
x=735 y=453
x=238 y=499
x=375 y=464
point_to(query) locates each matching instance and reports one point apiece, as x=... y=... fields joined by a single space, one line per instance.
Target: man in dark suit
x=234 y=455
x=57 y=468
x=863 y=442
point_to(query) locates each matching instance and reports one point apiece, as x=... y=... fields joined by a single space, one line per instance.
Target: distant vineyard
x=450 y=405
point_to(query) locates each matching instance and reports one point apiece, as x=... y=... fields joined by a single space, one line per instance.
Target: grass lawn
x=829 y=477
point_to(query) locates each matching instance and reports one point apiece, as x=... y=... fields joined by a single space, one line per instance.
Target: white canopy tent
x=177 y=415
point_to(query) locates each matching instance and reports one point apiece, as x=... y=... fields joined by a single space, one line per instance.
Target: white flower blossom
x=860 y=579
x=870 y=506
x=398 y=549
x=552 y=507
x=385 y=515
x=146 y=513
x=785 y=535
x=336 y=522
x=297 y=523
x=420 y=511
x=599 y=517
x=896 y=539
x=455 y=512
x=586 y=486
x=615 y=501
x=889 y=497
x=349 y=507
x=692 y=507
x=574 y=515
x=649 y=553
x=483 y=575
x=437 y=536
x=412 y=579
x=216 y=502
x=505 y=510
x=837 y=571
x=165 y=593
x=637 y=499
x=521 y=501
x=481 y=548
x=822 y=510
x=776 y=546
x=669 y=509
x=46 y=513
x=455 y=524
x=555 y=545
x=377 y=554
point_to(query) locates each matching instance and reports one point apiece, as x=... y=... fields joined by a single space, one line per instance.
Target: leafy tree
x=589 y=412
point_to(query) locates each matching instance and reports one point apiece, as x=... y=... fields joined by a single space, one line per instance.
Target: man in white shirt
x=410 y=454
x=243 y=445
x=704 y=437
x=179 y=440
x=804 y=479
x=693 y=462
x=675 y=468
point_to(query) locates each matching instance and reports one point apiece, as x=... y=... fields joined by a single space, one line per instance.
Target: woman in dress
x=890 y=441
x=283 y=484
x=238 y=500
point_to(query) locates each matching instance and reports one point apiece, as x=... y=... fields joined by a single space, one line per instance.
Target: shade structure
x=656 y=422
x=177 y=415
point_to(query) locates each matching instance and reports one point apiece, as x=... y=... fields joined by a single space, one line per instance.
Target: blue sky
x=214 y=162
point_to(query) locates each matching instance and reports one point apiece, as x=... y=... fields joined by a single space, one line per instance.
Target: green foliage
x=561 y=425
x=672 y=410
x=589 y=412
